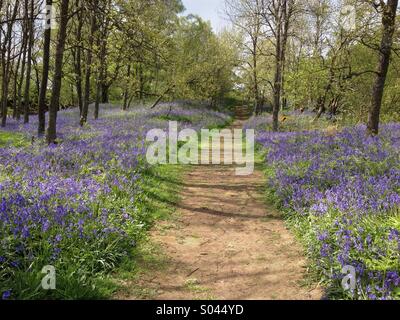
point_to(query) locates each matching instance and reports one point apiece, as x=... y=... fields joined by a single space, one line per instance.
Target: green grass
x=176 y=118
x=225 y=125
x=161 y=187
x=202 y=292
x=12 y=139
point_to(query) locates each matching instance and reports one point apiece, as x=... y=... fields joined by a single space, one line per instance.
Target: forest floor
x=223 y=242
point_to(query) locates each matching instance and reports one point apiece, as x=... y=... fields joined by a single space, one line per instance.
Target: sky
x=211 y=10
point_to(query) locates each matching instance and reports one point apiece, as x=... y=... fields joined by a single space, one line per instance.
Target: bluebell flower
x=6 y=295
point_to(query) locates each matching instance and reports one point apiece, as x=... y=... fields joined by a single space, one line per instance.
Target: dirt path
x=225 y=243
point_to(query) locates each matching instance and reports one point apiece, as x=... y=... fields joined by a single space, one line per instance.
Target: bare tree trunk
x=126 y=92
x=78 y=59
x=29 y=62
x=281 y=13
x=141 y=82
x=16 y=74
x=45 y=75
x=103 y=65
x=286 y=19
x=278 y=75
x=130 y=102
x=37 y=76
x=20 y=85
x=6 y=56
x=104 y=92
x=97 y=101
x=388 y=23
x=255 y=78
x=21 y=81
x=322 y=99
x=55 y=97
x=89 y=58
x=105 y=87
x=98 y=92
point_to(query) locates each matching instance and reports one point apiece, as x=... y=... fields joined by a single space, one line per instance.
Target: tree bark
x=105 y=98
x=141 y=83
x=78 y=60
x=126 y=91
x=103 y=65
x=45 y=76
x=21 y=81
x=278 y=74
x=286 y=17
x=6 y=55
x=29 y=62
x=89 y=58
x=55 y=97
x=388 y=23
x=255 y=78
x=16 y=74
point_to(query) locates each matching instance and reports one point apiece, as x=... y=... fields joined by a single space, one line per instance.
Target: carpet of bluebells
x=78 y=205
x=341 y=192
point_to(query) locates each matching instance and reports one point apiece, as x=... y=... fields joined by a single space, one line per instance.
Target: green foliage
x=373 y=227
x=203 y=63
x=151 y=49
x=12 y=138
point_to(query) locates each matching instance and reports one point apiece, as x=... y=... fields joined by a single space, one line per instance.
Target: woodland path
x=224 y=242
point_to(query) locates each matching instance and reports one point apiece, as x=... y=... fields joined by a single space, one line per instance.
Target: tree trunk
x=45 y=76
x=89 y=59
x=105 y=98
x=29 y=63
x=255 y=79
x=98 y=92
x=59 y=56
x=4 y=88
x=15 y=99
x=278 y=78
x=321 y=108
x=21 y=81
x=388 y=22
x=37 y=76
x=103 y=65
x=20 y=85
x=78 y=60
x=6 y=55
x=126 y=91
x=97 y=102
x=141 y=83
x=286 y=15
